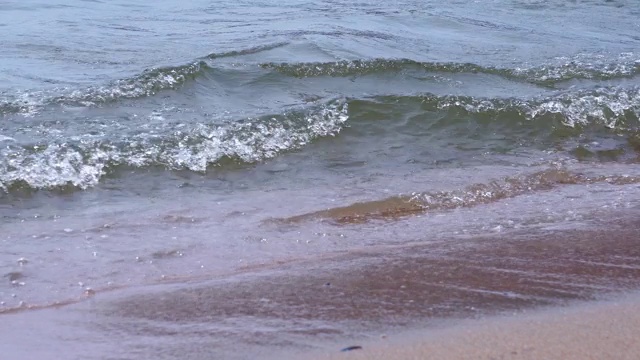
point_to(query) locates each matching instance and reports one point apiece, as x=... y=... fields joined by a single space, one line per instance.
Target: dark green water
x=140 y=140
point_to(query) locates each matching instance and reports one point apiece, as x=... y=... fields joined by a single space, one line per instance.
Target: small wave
x=26 y=103
x=548 y=75
x=249 y=51
x=474 y=195
x=347 y=68
x=12 y=106
x=155 y=80
x=148 y=83
x=581 y=66
x=612 y=107
x=81 y=164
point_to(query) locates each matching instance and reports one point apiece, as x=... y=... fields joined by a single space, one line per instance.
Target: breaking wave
x=155 y=80
x=82 y=163
x=610 y=106
x=148 y=83
x=561 y=70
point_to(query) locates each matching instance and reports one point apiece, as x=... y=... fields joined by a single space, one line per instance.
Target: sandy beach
x=602 y=330
x=519 y=295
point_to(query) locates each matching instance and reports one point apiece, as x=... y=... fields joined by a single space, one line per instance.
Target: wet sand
x=327 y=302
x=334 y=301
x=605 y=330
x=431 y=279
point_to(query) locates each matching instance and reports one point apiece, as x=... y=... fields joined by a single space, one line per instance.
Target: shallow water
x=327 y=302
x=168 y=142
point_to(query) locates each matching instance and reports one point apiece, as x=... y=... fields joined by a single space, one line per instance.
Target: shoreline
x=297 y=308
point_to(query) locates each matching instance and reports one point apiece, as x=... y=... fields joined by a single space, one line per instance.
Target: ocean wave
x=148 y=83
x=581 y=66
x=559 y=70
x=155 y=80
x=82 y=163
x=25 y=102
x=611 y=107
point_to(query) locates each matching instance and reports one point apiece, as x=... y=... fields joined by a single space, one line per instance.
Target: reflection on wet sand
x=381 y=287
x=306 y=303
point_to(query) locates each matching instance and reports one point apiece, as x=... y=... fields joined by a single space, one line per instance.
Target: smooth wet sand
x=459 y=278
x=344 y=299
x=294 y=309
x=607 y=330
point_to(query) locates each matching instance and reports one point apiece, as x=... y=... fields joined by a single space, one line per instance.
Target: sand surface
x=606 y=330
x=450 y=288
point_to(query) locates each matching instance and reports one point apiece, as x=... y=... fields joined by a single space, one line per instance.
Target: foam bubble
x=582 y=66
x=81 y=164
x=608 y=106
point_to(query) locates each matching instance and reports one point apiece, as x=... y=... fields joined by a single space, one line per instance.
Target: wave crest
x=548 y=75
x=83 y=163
x=155 y=80
x=612 y=107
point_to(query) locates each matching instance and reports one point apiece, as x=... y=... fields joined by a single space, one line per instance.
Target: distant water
x=143 y=140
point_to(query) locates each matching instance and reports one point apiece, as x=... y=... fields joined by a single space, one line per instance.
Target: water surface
x=145 y=143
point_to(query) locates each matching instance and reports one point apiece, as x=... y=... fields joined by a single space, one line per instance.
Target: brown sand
x=336 y=300
x=396 y=207
x=593 y=331
x=346 y=298
x=397 y=284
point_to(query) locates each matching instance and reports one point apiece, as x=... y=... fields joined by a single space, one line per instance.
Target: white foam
x=84 y=163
